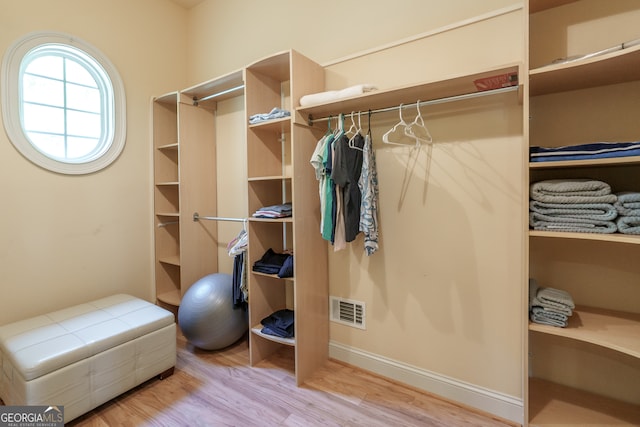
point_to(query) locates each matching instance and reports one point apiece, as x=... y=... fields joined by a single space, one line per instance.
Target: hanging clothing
x=237 y=249
x=317 y=161
x=329 y=190
x=368 y=185
x=347 y=168
x=236 y=280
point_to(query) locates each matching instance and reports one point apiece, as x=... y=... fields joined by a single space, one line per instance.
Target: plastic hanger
x=423 y=136
x=357 y=132
x=400 y=125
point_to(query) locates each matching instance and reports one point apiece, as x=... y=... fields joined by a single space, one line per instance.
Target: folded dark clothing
x=279 y=323
x=287 y=268
x=266 y=270
x=270 y=263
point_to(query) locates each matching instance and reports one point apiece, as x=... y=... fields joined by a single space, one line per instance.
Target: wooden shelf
x=167 y=183
x=268 y=178
x=613 y=161
x=614 y=237
x=173 y=146
x=426 y=91
x=170 y=98
x=172 y=298
x=611 y=68
x=281 y=125
x=615 y=330
x=278 y=220
x=540 y=5
x=172 y=260
x=273 y=276
x=226 y=87
x=275 y=66
x=286 y=341
x=168 y=214
x=552 y=404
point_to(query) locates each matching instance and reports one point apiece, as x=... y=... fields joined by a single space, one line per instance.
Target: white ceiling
x=187 y=4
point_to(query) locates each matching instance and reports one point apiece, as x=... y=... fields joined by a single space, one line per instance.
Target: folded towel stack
x=549 y=306
x=628 y=207
x=580 y=205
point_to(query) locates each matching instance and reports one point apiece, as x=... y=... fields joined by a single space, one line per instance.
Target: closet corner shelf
x=172 y=260
x=218 y=89
x=173 y=146
x=614 y=237
x=425 y=91
x=168 y=214
x=275 y=220
x=268 y=178
x=273 y=276
x=170 y=98
x=286 y=341
x=613 y=161
x=553 y=404
x=167 y=183
x=540 y=5
x=172 y=298
x=276 y=125
x=610 y=68
x=615 y=330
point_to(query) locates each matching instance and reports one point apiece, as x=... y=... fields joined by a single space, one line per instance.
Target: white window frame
x=11 y=105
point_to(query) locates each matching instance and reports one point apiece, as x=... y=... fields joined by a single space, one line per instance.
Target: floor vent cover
x=347 y=312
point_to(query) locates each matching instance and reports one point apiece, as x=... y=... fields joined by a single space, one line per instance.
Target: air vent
x=347 y=312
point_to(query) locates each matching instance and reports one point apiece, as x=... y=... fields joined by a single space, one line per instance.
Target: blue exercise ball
x=207 y=316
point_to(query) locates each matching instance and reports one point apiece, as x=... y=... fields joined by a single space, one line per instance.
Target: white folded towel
x=333 y=95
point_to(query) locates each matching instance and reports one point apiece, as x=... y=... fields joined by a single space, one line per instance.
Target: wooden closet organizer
x=586 y=373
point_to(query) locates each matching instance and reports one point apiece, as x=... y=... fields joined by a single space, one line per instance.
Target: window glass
x=63 y=103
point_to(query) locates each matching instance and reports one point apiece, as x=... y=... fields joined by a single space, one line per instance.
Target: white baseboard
x=499 y=404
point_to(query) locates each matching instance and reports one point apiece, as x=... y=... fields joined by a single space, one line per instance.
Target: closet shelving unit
x=184 y=157
x=584 y=373
x=444 y=90
x=278 y=153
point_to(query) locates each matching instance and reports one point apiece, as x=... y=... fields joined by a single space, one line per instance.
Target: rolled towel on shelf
x=547 y=317
x=628 y=203
x=549 y=306
x=572 y=191
x=334 y=95
x=628 y=224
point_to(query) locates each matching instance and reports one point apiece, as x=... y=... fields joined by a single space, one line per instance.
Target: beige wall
x=68 y=239
x=444 y=294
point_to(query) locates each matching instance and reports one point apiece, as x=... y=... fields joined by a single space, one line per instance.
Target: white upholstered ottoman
x=85 y=355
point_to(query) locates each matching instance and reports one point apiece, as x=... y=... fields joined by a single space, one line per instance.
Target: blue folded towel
x=598 y=150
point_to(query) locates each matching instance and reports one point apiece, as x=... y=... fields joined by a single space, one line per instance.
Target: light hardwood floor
x=219 y=388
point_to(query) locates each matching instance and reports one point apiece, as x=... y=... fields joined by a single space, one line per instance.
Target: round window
x=64 y=106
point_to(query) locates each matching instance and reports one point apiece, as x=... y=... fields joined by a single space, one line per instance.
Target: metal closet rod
x=423 y=103
x=197 y=217
x=215 y=95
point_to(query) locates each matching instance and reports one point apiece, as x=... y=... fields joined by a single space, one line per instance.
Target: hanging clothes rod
x=197 y=217
x=471 y=95
x=215 y=95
